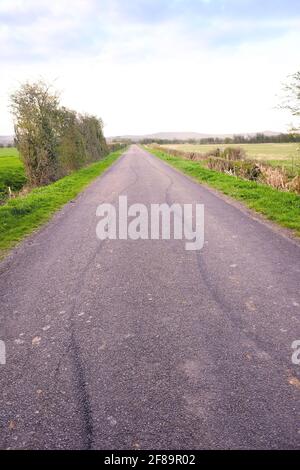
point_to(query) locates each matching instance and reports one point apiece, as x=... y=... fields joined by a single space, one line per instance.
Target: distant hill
x=185 y=136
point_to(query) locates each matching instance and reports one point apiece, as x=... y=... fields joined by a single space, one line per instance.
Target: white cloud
x=150 y=77
x=57 y=7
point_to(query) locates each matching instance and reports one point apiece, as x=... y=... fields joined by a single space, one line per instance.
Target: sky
x=143 y=66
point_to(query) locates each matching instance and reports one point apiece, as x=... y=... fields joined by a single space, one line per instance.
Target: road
x=139 y=344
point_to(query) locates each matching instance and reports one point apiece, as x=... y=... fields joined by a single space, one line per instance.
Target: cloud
x=155 y=65
x=38 y=30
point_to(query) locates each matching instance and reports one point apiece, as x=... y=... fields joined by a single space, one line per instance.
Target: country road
x=124 y=344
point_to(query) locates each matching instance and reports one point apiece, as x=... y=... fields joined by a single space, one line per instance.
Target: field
x=11 y=172
x=285 y=155
x=279 y=206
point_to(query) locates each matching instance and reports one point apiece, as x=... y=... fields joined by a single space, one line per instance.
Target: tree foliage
x=53 y=140
x=258 y=138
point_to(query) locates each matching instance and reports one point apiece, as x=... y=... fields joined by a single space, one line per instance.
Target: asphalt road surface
x=139 y=344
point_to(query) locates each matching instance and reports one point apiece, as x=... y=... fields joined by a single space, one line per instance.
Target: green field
x=279 y=206
x=274 y=154
x=8 y=152
x=22 y=215
x=11 y=172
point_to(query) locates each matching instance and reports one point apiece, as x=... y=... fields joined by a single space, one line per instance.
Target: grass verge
x=278 y=206
x=22 y=215
x=281 y=155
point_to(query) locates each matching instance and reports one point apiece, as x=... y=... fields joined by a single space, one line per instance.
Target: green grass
x=274 y=154
x=8 y=152
x=22 y=215
x=278 y=206
x=11 y=172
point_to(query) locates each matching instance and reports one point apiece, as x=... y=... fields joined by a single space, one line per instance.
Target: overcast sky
x=155 y=65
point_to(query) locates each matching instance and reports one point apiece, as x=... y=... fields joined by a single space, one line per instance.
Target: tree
x=92 y=131
x=36 y=118
x=71 y=150
x=291 y=100
x=53 y=140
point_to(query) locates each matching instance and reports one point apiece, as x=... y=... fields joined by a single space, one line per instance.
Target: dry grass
x=282 y=207
x=233 y=161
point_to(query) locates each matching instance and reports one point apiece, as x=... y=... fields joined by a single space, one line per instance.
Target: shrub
x=234 y=153
x=53 y=140
x=294 y=185
x=275 y=177
x=243 y=169
x=233 y=161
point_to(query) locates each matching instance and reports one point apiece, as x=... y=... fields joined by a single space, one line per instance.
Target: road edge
x=257 y=216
